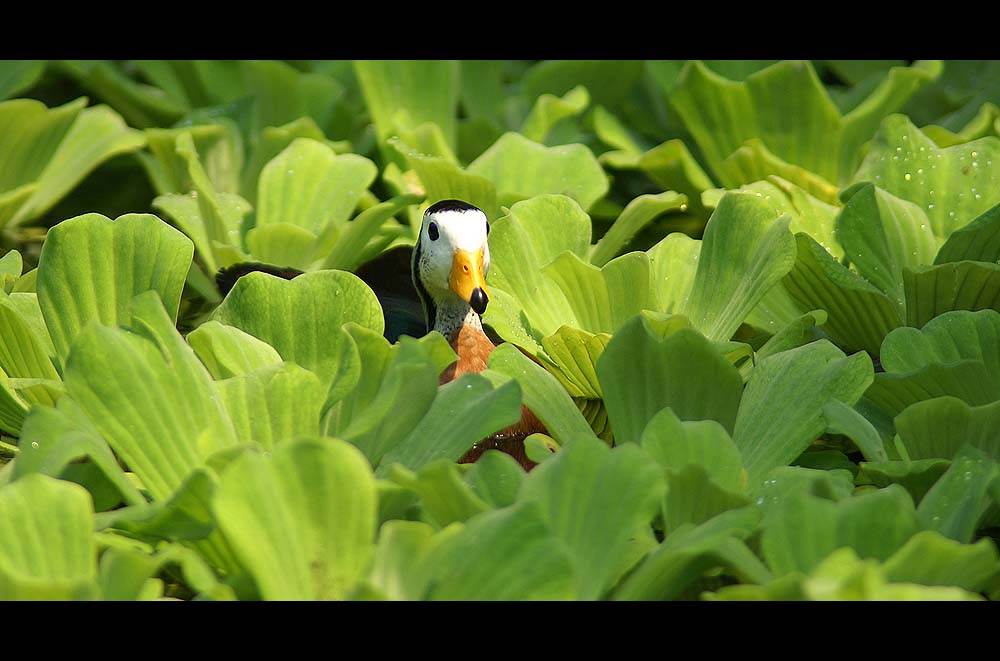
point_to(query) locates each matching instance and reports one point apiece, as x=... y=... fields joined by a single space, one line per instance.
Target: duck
x=449 y=267
x=438 y=285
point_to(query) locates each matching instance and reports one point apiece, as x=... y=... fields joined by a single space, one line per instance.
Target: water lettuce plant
x=754 y=304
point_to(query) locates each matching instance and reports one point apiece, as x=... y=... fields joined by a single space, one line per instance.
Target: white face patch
x=454 y=230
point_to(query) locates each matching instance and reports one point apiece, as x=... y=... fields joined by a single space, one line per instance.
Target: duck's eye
x=432 y=231
x=487 y=229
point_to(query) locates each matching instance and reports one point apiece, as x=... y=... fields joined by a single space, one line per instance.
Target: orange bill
x=468 y=280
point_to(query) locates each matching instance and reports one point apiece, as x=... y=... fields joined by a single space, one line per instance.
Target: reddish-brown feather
x=473 y=348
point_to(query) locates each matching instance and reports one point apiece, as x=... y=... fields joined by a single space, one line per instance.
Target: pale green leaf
x=542 y=393
x=953 y=185
x=227 y=351
x=149 y=396
x=273 y=404
x=309 y=185
x=47 y=546
x=521 y=168
x=91 y=268
x=642 y=373
x=637 y=214
x=595 y=529
x=744 y=253
x=302 y=520
x=301 y=318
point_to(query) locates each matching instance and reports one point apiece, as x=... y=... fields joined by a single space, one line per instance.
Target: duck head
x=450 y=263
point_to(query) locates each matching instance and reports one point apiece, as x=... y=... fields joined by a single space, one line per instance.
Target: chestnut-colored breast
x=473 y=348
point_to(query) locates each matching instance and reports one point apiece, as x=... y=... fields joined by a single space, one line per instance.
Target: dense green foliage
x=755 y=304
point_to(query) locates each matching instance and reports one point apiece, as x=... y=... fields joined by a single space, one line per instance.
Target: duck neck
x=452 y=317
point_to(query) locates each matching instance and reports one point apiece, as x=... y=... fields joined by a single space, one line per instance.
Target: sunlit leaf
x=301 y=520
x=91 y=268
x=47 y=546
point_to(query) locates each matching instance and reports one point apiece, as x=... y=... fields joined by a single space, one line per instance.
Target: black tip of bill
x=478 y=300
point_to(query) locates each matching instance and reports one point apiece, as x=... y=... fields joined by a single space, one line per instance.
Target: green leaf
x=786 y=483
x=53 y=437
x=954 y=185
x=464 y=412
x=23 y=350
x=692 y=551
x=504 y=555
x=602 y=299
x=347 y=252
x=309 y=185
x=407 y=93
x=282 y=93
x=271 y=141
x=48 y=152
x=302 y=520
x=184 y=516
x=301 y=318
x=781 y=412
x=929 y=558
x=13 y=408
x=91 y=268
x=285 y=244
x=947 y=338
x=977 y=241
x=98 y=134
x=843 y=576
x=530 y=236
x=797 y=332
x=542 y=393
x=17 y=76
x=444 y=497
x=571 y=355
x=815 y=217
x=392 y=392
x=442 y=179
x=219 y=148
x=609 y=81
x=642 y=373
x=859 y=315
x=722 y=114
x=399 y=569
x=676 y=443
x=693 y=497
x=220 y=214
x=753 y=161
x=637 y=214
x=881 y=235
x=274 y=404
x=30 y=133
x=799 y=534
x=227 y=351
x=917 y=476
x=47 y=547
x=955 y=504
x=744 y=253
x=967 y=380
x=933 y=290
x=842 y=419
x=939 y=427
x=549 y=110
x=673 y=263
x=521 y=168
x=595 y=528
x=670 y=165
x=149 y=396
x=496 y=478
